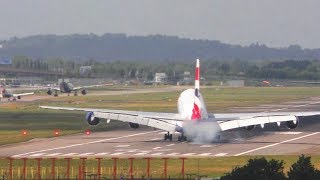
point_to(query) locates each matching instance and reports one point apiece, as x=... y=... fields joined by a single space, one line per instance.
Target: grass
x=41 y=123
x=211 y=167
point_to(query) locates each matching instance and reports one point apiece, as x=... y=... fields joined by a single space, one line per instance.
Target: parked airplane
x=7 y=94
x=66 y=87
x=192 y=112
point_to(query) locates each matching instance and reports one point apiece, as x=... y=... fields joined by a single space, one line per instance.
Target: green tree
x=258 y=168
x=303 y=170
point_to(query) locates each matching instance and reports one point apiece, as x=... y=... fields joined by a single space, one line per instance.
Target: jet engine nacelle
x=134 y=125
x=83 y=92
x=250 y=128
x=293 y=124
x=49 y=92
x=91 y=119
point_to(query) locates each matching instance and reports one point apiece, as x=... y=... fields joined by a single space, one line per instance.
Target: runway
x=146 y=142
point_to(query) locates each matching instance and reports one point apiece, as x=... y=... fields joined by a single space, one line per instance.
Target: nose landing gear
x=168 y=136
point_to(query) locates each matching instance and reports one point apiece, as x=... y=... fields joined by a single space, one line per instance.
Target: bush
x=258 y=168
x=303 y=170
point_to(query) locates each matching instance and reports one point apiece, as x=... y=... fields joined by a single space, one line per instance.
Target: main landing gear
x=182 y=138
x=168 y=136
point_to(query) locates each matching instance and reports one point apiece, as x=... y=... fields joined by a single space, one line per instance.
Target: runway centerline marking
x=275 y=144
x=92 y=142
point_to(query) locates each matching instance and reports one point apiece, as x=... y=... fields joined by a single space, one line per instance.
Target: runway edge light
x=56 y=132
x=24 y=132
x=88 y=132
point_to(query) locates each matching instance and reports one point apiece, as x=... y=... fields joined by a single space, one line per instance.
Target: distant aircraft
x=66 y=87
x=7 y=94
x=192 y=119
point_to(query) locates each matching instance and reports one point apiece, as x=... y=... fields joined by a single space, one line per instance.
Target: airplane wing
x=237 y=120
x=164 y=121
x=54 y=88
x=22 y=94
x=98 y=85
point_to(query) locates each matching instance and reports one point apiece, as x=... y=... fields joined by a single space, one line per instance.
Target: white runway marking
x=119 y=153
x=170 y=144
x=220 y=154
x=156 y=139
x=156 y=148
x=53 y=154
x=132 y=150
x=288 y=133
x=173 y=154
x=275 y=144
x=204 y=154
x=81 y=144
x=101 y=154
x=38 y=154
x=124 y=145
x=188 y=154
x=156 y=154
x=140 y=154
x=206 y=145
x=163 y=150
x=85 y=154
x=70 y=154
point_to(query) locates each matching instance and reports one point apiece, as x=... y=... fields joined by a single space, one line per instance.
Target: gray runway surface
x=272 y=140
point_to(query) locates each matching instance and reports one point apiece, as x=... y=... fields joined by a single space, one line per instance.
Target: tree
x=258 y=168
x=303 y=170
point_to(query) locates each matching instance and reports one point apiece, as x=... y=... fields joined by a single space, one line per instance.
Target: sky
x=276 y=23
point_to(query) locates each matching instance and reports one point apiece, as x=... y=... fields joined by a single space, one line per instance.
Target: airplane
x=66 y=87
x=192 y=113
x=7 y=94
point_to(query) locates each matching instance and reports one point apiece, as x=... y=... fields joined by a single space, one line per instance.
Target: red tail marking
x=197 y=73
x=196 y=114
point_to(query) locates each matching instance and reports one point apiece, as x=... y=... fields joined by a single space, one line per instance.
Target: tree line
x=262 y=169
x=210 y=69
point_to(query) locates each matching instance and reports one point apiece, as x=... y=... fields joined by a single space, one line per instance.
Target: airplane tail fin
x=196 y=111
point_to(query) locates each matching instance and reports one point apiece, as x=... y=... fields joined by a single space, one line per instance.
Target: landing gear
x=75 y=93
x=14 y=99
x=55 y=94
x=168 y=136
x=182 y=138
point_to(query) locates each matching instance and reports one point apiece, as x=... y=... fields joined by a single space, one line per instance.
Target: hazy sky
x=272 y=22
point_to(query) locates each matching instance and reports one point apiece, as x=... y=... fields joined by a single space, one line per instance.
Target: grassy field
x=18 y=116
x=211 y=167
x=40 y=123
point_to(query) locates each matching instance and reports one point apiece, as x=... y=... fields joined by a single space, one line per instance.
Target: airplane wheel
x=165 y=137
x=55 y=95
x=170 y=137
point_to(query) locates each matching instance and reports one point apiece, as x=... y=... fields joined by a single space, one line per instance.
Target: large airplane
x=66 y=87
x=192 y=113
x=4 y=93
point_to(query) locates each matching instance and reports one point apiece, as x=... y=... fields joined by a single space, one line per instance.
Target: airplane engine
x=49 y=92
x=293 y=124
x=18 y=97
x=134 y=125
x=83 y=92
x=250 y=128
x=91 y=119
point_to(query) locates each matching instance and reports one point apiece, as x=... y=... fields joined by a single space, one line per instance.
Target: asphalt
x=142 y=142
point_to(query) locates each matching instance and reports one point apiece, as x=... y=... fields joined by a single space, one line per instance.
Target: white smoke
x=202 y=132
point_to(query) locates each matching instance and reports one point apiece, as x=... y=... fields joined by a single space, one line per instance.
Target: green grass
x=211 y=167
x=41 y=123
